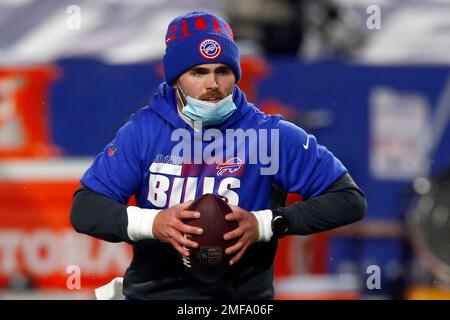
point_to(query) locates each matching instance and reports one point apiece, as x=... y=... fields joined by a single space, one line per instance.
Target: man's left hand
x=247 y=232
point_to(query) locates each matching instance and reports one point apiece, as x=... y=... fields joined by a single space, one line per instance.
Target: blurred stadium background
x=371 y=79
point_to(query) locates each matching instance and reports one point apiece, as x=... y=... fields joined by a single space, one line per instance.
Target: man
x=146 y=159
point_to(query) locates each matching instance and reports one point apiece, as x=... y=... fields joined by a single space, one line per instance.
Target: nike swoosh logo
x=306 y=146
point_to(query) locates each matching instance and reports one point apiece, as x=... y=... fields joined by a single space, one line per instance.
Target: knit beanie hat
x=198 y=38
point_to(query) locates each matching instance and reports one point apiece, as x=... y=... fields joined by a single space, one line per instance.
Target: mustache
x=212 y=95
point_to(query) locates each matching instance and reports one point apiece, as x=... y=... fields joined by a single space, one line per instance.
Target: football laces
x=186 y=259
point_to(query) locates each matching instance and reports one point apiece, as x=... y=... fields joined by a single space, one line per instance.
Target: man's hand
x=246 y=232
x=169 y=227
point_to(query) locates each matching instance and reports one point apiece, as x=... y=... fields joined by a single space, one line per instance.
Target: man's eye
x=197 y=73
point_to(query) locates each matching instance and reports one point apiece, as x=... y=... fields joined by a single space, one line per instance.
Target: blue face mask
x=209 y=113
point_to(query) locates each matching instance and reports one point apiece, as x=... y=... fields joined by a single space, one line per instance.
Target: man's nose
x=211 y=82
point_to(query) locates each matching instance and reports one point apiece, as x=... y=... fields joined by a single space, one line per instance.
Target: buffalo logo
x=210 y=255
x=231 y=166
x=112 y=150
x=210 y=49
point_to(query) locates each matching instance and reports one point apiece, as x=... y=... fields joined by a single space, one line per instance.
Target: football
x=208 y=262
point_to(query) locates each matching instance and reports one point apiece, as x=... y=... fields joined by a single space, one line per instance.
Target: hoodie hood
x=164 y=104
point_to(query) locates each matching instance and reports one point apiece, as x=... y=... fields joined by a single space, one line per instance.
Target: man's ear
x=175 y=85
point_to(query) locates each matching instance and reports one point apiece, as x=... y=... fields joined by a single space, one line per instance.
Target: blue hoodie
x=141 y=161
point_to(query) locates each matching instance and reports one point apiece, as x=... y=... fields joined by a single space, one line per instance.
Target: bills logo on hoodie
x=231 y=166
x=173 y=183
x=112 y=150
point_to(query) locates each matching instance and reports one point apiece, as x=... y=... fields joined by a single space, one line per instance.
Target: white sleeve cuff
x=140 y=223
x=264 y=218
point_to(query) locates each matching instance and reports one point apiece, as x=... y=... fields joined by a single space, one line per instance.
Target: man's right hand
x=168 y=227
